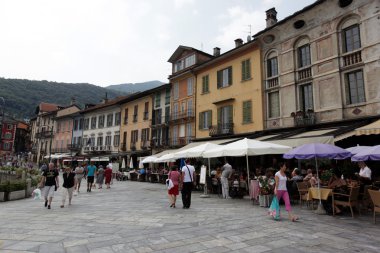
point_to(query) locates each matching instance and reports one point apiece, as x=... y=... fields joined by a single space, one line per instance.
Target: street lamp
x=2 y=122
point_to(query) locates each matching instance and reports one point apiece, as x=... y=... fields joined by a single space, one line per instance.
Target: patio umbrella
x=247 y=147
x=149 y=159
x=357 y=149
x=131 y=163
x=123 y=164
x=371 y=153
x=318 y=150
x=165 y=158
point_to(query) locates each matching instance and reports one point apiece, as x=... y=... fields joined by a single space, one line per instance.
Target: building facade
x=229 y=94
x=321 y=66
x=8 y=133
x=183 y=99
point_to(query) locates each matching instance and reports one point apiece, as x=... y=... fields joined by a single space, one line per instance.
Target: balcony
x=186 y=115
x=304 y=118
x=180 y=141
x=304 y=73
x=145 y=144
x=74 y=147
x=221 y=129
x=352 y=58
x=272 y=82
x=160 y=120
x=123 y=146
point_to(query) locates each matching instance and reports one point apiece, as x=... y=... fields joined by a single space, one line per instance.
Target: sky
x=105 y=42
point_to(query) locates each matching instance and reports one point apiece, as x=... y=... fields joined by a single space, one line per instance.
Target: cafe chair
x=303 y=191
x=351 y=201
x=375 y=197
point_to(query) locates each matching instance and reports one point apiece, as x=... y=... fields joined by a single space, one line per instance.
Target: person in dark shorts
x=50 y=182
x=90 y=175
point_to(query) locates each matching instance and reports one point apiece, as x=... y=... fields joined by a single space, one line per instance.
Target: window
x=157 y=100
x=355 y=87
x=176 y=91
x=146 y=110
x=8 y=136
x=205 y=86
x=205 y=120
x=99 y=141
x=145 y=134
x=10 y=127
x=76 y=125
x=175 y=135
x=110 y=120
x=190 y=108
x=167 y=96
x=134 y=136
x=351 y=38
x=225 y=116
x=135 y=113
x=86 y=124
x=247 y=111
x=190 y=82
x=79 y=141
x=224 y=77
x=101 y=121
x=189 y=61
x=274 y=104
x=175 y=111
x=85 y=141
x=189 y=130
x=108 y=140
x=7 y=146
x=306 y=97
x=246 y=69
x=92 y=141
x=272 y=68
x=167 y=113
x=304 y=56
x=80 y=124
x=117 y=118
x=58 y=127
x=93 y=122
x=126 y=116
x=116 y=140
x=184 y=63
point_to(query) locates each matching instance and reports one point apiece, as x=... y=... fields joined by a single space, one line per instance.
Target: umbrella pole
x=320 y=209
x=246 y=157
x=205 y=191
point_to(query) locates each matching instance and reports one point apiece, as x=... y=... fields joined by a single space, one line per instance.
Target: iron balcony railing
x=221 y=129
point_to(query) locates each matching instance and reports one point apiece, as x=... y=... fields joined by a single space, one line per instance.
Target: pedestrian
x=226 y=175
x=68 y=185
x=90 y=175
x=79 y=174
x=108 y=174
x=175 y=177
x=100 y=177
x=281 y=191
x=188 y=179
x=50 y=183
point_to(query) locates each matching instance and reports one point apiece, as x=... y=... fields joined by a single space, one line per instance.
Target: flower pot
x=16 y=195
x=2 y=196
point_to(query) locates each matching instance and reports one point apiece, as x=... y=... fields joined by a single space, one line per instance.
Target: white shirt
x=187 y=177
x=281 y=181
x=365 y=172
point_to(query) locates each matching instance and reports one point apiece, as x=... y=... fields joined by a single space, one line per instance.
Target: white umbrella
x=131 y=163
x=123 y=164
x=247 y=147
x=196 y=151
x=165 y=158
x=149 y=159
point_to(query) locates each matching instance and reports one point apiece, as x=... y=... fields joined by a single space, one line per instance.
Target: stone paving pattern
x=135 y=217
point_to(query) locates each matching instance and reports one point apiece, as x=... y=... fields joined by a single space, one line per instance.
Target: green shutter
x=200 y=120
x=207 y=90
x=219 y=78
x=230 y=76
x=209 y=119
x=248 y=69
x=243 y=70
x=247 y=111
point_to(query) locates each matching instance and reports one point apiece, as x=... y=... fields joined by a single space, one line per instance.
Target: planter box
x=2 y=196
x=30 y=191
x=16 y=195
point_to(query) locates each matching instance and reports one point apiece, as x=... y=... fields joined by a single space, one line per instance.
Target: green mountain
x=22 y=96
x=135 y=87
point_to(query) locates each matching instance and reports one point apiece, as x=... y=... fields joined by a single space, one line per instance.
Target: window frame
x=205 y=84
x=246 y=70
x=247 y=112
x=344 y=34
x=271 y=67
x=270 y=116
x=222 y=75
x=302 y=96
x=349 y=96
x=304 y=56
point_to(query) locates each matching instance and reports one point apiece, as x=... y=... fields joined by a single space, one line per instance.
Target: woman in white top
x=281 y=191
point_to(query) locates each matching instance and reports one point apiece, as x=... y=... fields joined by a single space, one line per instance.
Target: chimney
x=271 y=17
x=216 y=51
x=73 y=101
x=238 y=42
x=105 y=99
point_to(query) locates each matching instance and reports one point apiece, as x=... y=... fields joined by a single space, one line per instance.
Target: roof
x=48 y=107
x=111 y=102
x=289 y=17
x=181 y=49
x=140 y=95
x=22 y=125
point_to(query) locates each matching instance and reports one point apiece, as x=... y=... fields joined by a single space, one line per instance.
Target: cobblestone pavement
x=135 y=217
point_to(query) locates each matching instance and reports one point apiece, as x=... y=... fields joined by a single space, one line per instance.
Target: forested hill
x=22 y=96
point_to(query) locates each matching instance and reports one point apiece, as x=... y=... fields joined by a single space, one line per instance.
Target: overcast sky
x=106 y=42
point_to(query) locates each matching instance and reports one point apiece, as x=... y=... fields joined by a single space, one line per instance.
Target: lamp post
x=51 y=141
x=2 y=122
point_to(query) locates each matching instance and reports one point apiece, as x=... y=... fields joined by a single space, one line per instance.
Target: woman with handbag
x=173 y=192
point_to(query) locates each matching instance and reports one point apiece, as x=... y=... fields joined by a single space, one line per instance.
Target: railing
x=160 y=120
x=182 y=115
x=272 y=82
x=123 y=146
x=74 y=146
x=352 y=58
x=133 y=146
x=221 y=129
x=304 y=118
x=180 y=141
x=304 y=73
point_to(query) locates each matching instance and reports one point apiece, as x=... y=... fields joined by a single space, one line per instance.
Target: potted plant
x=16 y=190
x=3 y=192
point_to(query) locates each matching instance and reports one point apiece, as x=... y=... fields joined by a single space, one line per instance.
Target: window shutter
x=200 y=120
x=219 y=78
x=243 y=70
x=206 y=82
x=209 y=119
x=248 y=74
x=219 y=116
x=249 y=109
x=230 y=75
x=230 y=114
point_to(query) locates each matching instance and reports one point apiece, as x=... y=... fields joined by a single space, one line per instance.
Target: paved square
x=135 y=217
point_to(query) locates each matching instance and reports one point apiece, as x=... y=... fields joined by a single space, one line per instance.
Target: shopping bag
x=274 y=209
x=169 y=184
x=36 y=194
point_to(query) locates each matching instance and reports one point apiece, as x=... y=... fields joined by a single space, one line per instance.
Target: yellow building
x=228 y=92
x=136 y=118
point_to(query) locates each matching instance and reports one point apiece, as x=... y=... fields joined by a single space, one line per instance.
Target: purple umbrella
x=357 y=149
x=318 y=150
x=371 y=153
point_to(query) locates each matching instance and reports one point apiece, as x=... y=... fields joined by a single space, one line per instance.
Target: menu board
x=202 y=180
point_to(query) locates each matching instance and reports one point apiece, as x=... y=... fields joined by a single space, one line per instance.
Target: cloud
x=181 y=3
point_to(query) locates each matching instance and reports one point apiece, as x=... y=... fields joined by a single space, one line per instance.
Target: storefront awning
x=372 y=128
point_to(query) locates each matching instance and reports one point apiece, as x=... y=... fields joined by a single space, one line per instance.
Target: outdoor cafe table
x=313 y=193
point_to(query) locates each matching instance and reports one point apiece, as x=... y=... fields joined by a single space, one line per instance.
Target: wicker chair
x=303 y=190
x=375 y=197
x=352 y=200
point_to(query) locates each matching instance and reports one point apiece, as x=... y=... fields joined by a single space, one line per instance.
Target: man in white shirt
x=188 y=179
x=365 y=172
